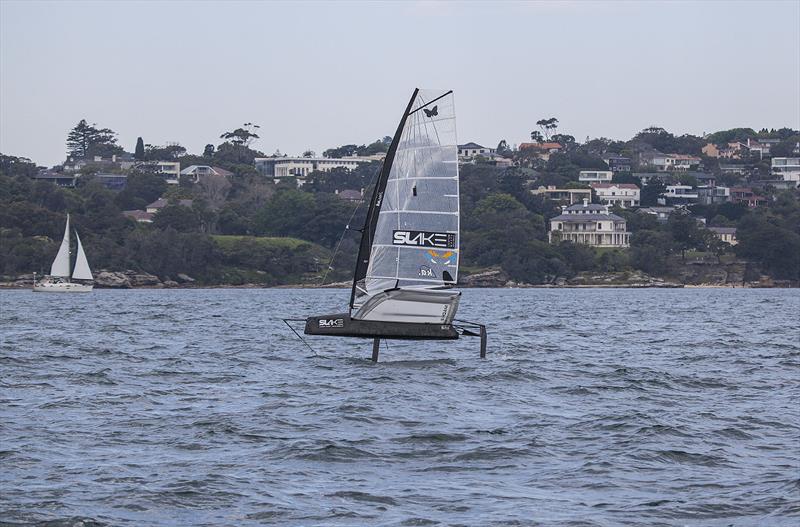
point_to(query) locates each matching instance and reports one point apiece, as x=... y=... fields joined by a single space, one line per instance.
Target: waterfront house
x=661 y=214
x=58 y=178
x=726 y=234
x=617 y=163
x=732 y=150
x=595 y=176
x=569 y=195
x=470 y=150
x=160 y=203
x=589 y=224
x=713 y=195
x=281 y=167
x=169 y=170
x=761 y=146
x=679 y=195
x=139 y=216
x=671 y=162
x=195 y=172
x=787 y=169
x=747 y=196
x=542 y=150
x=617 y=194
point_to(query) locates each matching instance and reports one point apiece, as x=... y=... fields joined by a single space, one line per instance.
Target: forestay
x=416 y=238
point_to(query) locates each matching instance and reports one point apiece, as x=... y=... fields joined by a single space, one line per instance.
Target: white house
x=617 y=194
x=595 y=176
x=726 y=234
x=589 y=224
x=571 y=195
x=787 y=168
x=170 y=170
x=279 y=167
x=197 y=171
x=474 y=149
x=670 y=162
x=680 y=194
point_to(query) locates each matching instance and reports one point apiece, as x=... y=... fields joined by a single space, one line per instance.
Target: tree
x=309 y=153
x=208 y=151
x=547 y=126
x=214 y=190
x=565 y=140
x=651 y=192
x=178 y=217
x=139 y=152
x=242 y=136
x=166 y=152
x=502 y=148
x=342 y=151
x=85 y=140
x=650 y=250
x=143 y=187
x=536 y=135
x=685 y=232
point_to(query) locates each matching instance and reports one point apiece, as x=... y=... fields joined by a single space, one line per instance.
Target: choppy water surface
x=594 y=407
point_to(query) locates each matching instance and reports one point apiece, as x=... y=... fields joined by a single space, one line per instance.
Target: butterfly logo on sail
x=442 y=258
x=432 y=112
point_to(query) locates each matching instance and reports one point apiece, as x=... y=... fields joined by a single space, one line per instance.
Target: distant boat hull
x=62 y=287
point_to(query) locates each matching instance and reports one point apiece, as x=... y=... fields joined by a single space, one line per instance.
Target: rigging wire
x=329 y=267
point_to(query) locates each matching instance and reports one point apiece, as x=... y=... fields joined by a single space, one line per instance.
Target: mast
x=368 y=232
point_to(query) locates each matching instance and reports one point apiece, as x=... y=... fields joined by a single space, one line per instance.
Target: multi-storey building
x=589 y=224
x=617 y=194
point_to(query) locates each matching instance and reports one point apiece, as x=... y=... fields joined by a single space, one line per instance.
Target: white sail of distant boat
x=81 y=271
x=58 y=281
x=60 y=265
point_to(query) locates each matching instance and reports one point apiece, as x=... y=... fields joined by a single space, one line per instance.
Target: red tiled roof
x=540 y=146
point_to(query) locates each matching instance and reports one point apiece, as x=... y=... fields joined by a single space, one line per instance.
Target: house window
x=599 y=225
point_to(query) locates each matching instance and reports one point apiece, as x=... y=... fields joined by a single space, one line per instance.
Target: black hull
x=341 y=325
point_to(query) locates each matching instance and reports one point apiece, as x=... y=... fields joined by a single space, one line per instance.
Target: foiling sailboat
x=60 y=279
x=408 y=257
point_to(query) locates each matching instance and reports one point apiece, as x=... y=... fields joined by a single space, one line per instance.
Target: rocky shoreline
x=490 y=278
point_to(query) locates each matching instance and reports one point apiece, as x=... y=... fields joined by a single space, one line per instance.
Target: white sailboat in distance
x=60 y=278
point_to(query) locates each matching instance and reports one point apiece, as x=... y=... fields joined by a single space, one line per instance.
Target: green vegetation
x=250 y=229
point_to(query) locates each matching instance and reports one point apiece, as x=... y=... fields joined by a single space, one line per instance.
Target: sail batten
x=60 y=265
x=82 y=270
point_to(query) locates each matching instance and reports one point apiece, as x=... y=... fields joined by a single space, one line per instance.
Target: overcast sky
x=316 y=75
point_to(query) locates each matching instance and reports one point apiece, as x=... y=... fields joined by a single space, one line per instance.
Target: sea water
x=593 y=407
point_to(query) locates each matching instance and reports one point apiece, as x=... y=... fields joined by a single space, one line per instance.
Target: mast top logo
x=440 y=240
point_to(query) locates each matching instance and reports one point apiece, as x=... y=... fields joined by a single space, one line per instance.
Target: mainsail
x=60 y=265
x=411 y=237
x=81 y=271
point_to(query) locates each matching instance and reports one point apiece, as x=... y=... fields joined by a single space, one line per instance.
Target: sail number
x=442 y=240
